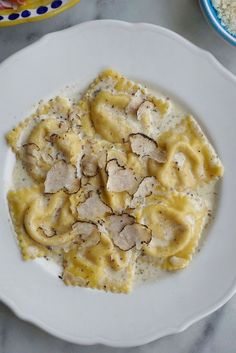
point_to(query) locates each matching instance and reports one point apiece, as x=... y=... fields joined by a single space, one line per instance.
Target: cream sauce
x=145 y=271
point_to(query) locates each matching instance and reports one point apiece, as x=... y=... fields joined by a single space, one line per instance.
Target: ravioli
x=101 y=266
x=117 y=129
x=40 y=221
x=176 y=221
x=19 y=202
x=191 y=161
x=113 y=101
x=58 y=107
x=49 y=221
x=116 y=178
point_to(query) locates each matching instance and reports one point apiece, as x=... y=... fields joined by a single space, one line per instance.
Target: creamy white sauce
x=145 y=271
x=20 y=177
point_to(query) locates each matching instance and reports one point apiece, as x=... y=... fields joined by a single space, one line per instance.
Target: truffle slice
x=118 y=222
x=102 y=159
x=132 y=235
x=89 y=165
x=32 y=156
x=30 y=151
x=144 y=146
x=88 y=232
x=47 y=230
x=145 y=108
x=63 y=127
x=134 y=103
x=146 y=187
x=92 y=208
x=119 y=178
x=62 y=175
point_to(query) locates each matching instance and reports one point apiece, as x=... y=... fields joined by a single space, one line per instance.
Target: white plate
x=161 y=59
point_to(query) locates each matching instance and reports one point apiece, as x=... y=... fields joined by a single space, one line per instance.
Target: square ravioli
x=45 y=137
x=112 y=105
x=100 y=266
x=176 y=221
x=18 y=202
x=58 y=108
x=190 y=159
x=43 y=223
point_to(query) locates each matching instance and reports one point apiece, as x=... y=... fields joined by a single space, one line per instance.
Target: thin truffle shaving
x=132 y=235
x=144 y=146
x=120 y=178
x=92 y=208
x=145 y=188
x=61 y=176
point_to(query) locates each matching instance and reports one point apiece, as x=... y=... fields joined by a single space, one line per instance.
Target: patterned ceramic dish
x=34 y=10
x=212 y=17
x=174 y=301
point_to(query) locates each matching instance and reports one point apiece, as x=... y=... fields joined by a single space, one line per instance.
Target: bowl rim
x=66 y=6
x=207 y=8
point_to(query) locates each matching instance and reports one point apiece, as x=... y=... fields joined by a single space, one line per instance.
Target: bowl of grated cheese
x=221 y=14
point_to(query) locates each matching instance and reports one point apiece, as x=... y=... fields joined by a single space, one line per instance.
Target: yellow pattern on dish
x=34 y=4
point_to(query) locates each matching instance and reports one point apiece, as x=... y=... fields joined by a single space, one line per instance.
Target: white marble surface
x=217 y=333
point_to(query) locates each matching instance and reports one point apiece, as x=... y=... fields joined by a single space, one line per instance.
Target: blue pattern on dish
x=13 y=16
x=55 y=4
x=25 y=13
x=41 y=10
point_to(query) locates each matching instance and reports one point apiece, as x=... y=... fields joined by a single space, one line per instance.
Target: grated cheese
x=227 y=13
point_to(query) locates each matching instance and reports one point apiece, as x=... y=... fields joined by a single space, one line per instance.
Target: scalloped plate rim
x=19 y=311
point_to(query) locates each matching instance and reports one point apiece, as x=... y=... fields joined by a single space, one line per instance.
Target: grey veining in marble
x=216 y=333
